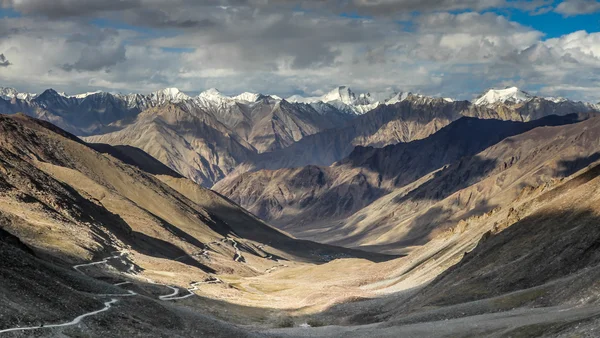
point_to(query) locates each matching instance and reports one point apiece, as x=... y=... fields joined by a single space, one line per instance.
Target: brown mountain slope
x=269 y=124
x=542 y=268
x=246 y=225
x=412 y=119
x=193 y=142
x=187 y=140
x=49 y=172
x=298 y=199
x=69 y=205
x=472 y=187
x=528 y=268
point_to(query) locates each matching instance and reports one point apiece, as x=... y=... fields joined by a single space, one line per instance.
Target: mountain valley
x=320 y=222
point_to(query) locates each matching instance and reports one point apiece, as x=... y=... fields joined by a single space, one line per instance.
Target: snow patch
x=508 y=95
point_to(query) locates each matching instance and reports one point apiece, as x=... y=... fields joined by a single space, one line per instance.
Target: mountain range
x=390 y=214
x=251 y=131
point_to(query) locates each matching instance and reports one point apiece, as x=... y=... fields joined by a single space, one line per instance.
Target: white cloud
x=258 y=47
x=576 y=7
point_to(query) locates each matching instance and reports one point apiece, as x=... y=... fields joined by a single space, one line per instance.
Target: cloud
x=69 y=8
x=577 y=7
x=4 y=61
x=387 y=7
x=183 y=13
x=94 y=59
x=286 y=46
x=98 y=50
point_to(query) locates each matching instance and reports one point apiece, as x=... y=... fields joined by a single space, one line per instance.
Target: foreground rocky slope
x=161 y=235
x=65 y=205
x=526 y=268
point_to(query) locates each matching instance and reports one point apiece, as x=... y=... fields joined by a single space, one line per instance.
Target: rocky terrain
x=106 y=240
x=236 y=126
x=312 y=197
x=64 y=204
x=414 y=117
x=234 y=134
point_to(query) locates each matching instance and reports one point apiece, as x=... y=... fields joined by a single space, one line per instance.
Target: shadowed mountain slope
x=414 y=118
x=293 y=198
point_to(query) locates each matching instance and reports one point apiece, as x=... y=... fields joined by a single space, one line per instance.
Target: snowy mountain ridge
x=508 y=95
x=341 y=98
x=346 y=100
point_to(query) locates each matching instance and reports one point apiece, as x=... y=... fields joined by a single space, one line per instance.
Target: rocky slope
x=301 y=198
x=205 y=143
x=529 y=269
x=512 y=244
x=248 y=115
x=254 y=131
x=63 y=203
x=229 y=129
x=187 y=140
x=268 y=123
x=523 y=208
x=413 y=118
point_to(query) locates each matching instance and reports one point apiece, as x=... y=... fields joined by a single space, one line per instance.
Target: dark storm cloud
x=69 y=8
x=173 y=13
x=4 y=61
x=158 y=18
x=97 y=58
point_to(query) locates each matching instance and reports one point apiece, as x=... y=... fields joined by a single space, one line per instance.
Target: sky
x=449 y=48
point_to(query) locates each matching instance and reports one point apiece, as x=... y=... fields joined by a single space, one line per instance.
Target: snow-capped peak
x=10 y=93
x=247 y=96
x=345 y=100
x=398 y=97
x=169 y=94
x=302 y=99
x=507 y=95
x=84 y=95
x=342 y=94
x=212 y=94
x=556 y=99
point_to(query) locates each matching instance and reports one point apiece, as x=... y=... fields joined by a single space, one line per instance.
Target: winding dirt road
x=109 y=304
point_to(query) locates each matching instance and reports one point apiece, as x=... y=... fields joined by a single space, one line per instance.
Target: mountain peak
x=9 y=93
x=342 y=93
x=212 y=94
x=248 y=97
x=51 y=93
x=506 y=95
x=84 y=95
x=169 y=94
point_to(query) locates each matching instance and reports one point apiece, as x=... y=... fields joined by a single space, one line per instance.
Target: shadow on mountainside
x=549 y=258
x=453 y=148
x=465 y=137
x=453 y=178
x=531 y=252
x=138 y=241
x=135 y=157
x=155 y=247
x=569 y=167
x=251 y=228
x=548 y=244
x=334 y=144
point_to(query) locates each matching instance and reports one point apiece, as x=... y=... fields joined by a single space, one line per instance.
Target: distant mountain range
x=308 y=196
x=209 y=136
